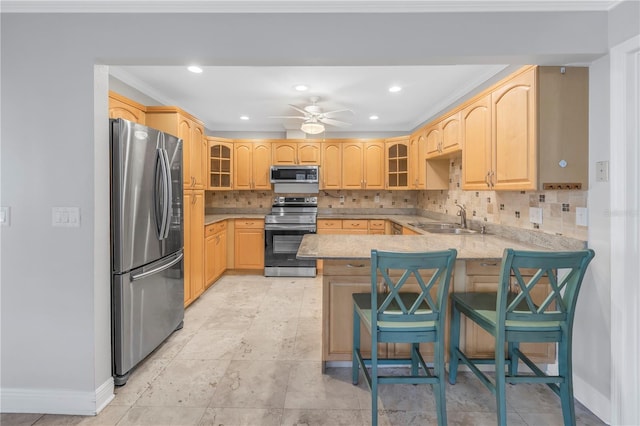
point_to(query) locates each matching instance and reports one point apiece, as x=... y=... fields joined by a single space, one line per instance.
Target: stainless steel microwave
x=294 y=174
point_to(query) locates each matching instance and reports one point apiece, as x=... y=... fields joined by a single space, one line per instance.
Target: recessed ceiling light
x=373 y=117
x=301 y=87
x=395 y=89
x=244 y=117
x=195 y=69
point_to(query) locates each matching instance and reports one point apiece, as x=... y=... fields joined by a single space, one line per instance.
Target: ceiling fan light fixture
x=312 y=127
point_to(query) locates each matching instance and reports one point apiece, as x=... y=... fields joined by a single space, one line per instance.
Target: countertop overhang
x=469 y=247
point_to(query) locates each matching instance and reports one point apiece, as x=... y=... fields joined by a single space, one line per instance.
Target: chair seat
x=362 y=303
x=481 y=307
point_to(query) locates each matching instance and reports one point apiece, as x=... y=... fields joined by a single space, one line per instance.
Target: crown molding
x=306 y=6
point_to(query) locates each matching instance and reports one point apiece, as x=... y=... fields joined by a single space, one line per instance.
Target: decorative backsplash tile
x=509 y=208
x=496 y=207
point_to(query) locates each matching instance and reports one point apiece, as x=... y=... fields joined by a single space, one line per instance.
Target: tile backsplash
x=496 y=207
x=510 y=208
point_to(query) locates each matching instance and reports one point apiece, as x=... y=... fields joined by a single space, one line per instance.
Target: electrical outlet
x=342 y=199
x=581 y=216
x=535 y=215
x=602 y=171
x=376 y=199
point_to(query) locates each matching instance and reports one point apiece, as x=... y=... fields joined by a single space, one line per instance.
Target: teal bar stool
x=404 y=317
x=512 y=317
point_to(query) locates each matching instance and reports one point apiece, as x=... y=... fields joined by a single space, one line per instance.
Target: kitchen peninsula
x=347 y=271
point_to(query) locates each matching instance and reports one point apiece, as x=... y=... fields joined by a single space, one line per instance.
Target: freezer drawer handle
x=156 y=270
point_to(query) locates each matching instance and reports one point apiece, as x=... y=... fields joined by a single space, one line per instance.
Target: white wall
x=53 y=308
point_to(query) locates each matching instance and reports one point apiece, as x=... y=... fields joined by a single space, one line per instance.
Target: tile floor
x=249 y=354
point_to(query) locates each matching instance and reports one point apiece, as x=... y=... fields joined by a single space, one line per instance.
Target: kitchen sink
x=458 y=231
x=443 y=228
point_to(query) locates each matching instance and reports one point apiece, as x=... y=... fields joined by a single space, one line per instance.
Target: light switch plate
x=66 y=217
x=5 y=216
x=582 y=218
x=342 y=199
x=535 y=215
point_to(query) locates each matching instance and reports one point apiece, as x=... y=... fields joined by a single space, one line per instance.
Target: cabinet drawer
x=355 y=224
x=329 y=224
x=376 y=224
x=347 y=267
x=214 y=228
x=483 y=267
x=249 y=223
x=492 y=268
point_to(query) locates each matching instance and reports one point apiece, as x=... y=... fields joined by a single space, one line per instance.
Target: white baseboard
x=596 y=402
x=57 y=401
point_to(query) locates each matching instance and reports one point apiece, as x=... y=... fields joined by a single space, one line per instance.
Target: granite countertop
x=476 y=246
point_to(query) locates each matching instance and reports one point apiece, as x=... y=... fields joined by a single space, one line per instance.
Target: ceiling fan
x=314 y=118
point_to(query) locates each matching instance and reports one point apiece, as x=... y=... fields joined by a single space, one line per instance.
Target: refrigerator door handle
x=162 y=193
x=158 y=269
x=168 y=199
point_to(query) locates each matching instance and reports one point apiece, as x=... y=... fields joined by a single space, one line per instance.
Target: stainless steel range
x=290 y=219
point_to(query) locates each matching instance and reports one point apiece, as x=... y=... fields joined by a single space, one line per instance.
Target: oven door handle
x=289 y=227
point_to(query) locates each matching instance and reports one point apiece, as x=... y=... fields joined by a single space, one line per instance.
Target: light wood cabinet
x=193 y=245
x=220 y=161
x=538 y=132
x=444 y=137
x=251 y=163
x=483 y=276
x=179 y=123
x=215 y=251
x=123 y=107
x=476 y=155
x=341 y=279
x=417 y=165
x=363 y=165
x=249 y=244
x=408 y=231
x=397 y=163
x=377 y=227
x=300 y=152
x=331 y=165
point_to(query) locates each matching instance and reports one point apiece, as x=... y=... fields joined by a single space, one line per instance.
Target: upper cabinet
x=331 y=160
x=397 y=156
x=220 y=160
x=417 y=165
x=363 y=165
x=251 y=163
x=444 y=137
x=538 y=133
x=179 y=123
x=122 y=107
x=289 y=152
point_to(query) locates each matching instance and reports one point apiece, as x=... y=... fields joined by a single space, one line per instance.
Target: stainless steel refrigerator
x=147 y=266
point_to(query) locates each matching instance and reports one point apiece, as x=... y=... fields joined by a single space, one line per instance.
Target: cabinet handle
x=488 y=264
x=486 y=179
x=359 y=265
x=491 y=179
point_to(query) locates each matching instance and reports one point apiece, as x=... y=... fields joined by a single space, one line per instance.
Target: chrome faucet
x=463 y=216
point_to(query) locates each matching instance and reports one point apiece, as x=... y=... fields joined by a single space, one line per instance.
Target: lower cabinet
x=483 y=276
x=342 y=278
x=193 y=245
x=215 y=252
x=249 y=244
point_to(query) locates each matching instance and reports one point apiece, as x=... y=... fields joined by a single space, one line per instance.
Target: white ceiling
x=220 y=95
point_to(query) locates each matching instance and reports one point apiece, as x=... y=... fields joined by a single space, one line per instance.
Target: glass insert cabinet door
x=220 y=173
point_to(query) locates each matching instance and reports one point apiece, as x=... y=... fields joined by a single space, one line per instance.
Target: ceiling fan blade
x=337 y=111
x=333 y=122
x=288 y=116
x=299 y=110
